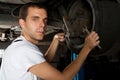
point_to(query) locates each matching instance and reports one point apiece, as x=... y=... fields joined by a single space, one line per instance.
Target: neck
x=36 y=42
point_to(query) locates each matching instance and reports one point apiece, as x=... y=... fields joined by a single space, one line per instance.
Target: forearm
x=50 y=53
x=71 y=70
x=91 y=41
x=59 y=37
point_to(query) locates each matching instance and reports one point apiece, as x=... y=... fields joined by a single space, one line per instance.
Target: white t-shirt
x=18 y=58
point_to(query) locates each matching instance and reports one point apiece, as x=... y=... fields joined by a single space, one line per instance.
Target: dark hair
x=24 y=9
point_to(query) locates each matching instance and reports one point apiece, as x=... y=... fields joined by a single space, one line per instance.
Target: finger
x=92 y=34
x=97 y=42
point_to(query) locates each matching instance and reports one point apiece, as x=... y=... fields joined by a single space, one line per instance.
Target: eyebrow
x=35 y=17
x=39 y=17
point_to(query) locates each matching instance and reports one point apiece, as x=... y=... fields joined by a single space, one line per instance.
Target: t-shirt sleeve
x=27 y=58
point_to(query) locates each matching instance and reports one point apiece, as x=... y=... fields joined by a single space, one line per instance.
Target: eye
x=35 y=19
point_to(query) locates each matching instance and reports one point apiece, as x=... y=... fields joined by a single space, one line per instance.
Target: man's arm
x=49 y=55
x=47 y=72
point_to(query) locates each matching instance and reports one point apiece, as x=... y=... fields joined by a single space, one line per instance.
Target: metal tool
x=87 y=31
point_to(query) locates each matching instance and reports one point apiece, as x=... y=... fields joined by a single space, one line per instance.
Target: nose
x=42 y=23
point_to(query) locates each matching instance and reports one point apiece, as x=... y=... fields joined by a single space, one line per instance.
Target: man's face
x=35 y=24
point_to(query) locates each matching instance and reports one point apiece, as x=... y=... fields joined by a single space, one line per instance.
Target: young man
x=23 y=60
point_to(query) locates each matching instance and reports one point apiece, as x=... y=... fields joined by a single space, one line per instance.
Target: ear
x=22 y=23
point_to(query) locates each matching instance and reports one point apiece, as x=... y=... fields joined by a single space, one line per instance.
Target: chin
x=41 y=38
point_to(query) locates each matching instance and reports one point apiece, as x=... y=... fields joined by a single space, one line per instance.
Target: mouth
x=41 y=32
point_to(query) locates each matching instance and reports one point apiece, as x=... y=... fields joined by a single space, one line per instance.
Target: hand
x=60 y=37
x=92 y=40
